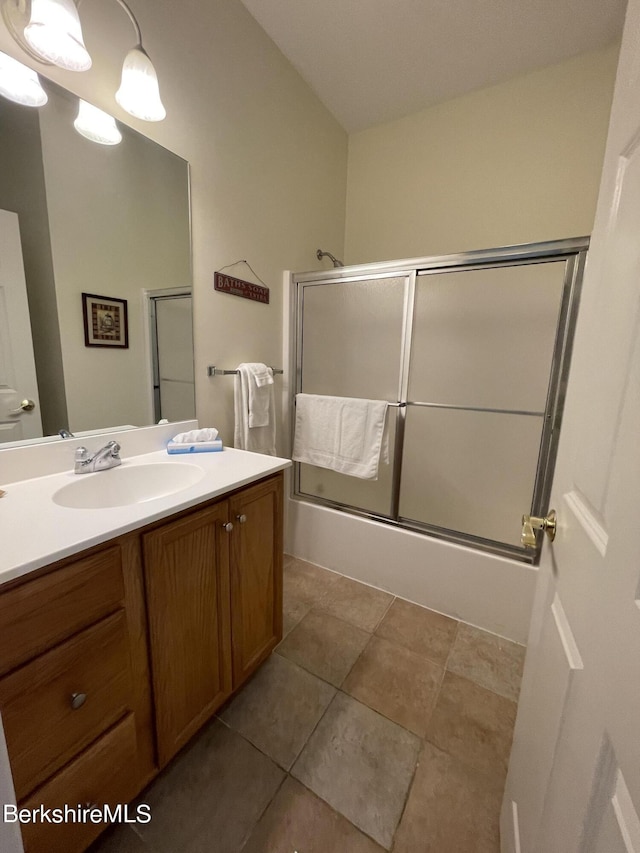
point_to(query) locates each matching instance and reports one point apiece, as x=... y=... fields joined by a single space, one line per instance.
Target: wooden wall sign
x=239 y=287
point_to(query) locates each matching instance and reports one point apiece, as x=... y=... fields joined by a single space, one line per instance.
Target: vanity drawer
x=43 y=729
x=104 y=774
x=42 y=612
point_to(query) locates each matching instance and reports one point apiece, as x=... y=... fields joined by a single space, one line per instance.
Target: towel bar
x=212 y=370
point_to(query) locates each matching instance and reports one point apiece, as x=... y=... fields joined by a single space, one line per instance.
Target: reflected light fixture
x=20 y=84
x=50 y=31
x=96 y=125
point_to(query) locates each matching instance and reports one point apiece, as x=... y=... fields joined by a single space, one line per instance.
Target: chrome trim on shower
x=475 y=409
x=403 y=390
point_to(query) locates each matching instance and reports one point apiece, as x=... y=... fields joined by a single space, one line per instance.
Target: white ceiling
x=372 y=61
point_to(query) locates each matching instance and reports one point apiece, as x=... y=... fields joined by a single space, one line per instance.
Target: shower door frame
x=573 y=251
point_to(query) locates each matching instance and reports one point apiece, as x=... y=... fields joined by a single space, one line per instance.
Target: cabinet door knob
x=228 y=526
x=242 y=518
x=78 y=700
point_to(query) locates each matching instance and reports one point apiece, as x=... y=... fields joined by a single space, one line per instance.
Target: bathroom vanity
x=113 y=655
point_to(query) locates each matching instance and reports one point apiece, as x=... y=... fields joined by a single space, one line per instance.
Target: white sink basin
x=124 y=486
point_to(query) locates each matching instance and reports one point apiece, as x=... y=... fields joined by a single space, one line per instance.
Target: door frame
x=151 y=341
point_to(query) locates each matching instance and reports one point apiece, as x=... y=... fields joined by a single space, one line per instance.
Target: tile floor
x=377 y=725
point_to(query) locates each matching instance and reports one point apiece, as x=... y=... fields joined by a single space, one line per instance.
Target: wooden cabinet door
x=256 y=575
x=187 y=582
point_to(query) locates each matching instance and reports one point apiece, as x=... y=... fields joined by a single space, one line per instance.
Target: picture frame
x=105 y=321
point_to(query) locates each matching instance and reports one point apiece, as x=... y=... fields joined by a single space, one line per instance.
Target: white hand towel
x=254 y=406
x=195 y=435
x=262 y=374
x=259 y=378
x=344 y=434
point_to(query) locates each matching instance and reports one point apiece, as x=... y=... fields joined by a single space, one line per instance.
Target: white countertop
x=35 y=531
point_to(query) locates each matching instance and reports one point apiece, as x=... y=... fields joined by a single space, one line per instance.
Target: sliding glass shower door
x=472 y=353
x=352 y=347
x=481 y=358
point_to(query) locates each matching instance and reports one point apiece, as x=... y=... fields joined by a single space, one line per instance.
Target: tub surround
x=493 y=593
x=42 y=532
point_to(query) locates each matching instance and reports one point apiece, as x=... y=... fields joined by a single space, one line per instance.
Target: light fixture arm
x=131 y=16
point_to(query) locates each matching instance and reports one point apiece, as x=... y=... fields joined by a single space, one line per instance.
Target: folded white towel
x=254 y=406
x=344 y=434
x=262 y=374
x=195 y=435
x=259 y=377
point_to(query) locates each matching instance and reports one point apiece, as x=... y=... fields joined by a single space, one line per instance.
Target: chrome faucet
x=106 y=457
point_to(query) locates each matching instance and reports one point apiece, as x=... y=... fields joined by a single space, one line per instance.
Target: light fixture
x=96 y=125
x=139 y=94
x=20 y=84
x=55 y=35
x=50 y=31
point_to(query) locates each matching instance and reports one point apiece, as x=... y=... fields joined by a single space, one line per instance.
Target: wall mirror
x=111 y=221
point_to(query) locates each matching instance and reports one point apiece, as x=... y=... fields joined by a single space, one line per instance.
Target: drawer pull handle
x=228 y=526
x=242 y=518
x=78 y=700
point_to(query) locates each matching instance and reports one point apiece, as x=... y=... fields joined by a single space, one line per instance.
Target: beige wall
x=268 y=163
x=514 y=163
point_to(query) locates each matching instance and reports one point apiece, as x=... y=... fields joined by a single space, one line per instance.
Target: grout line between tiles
x=250 y=832
x=379 y=622
x=453 y=642
x=304 y=745
x=336 y=812
x=316 y=609
x=353 y=666
x=406 y=800
x=288 y=774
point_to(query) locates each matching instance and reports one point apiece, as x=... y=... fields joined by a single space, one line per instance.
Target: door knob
x=531 y=523
x=228 y=526
x=25 y=406
x=242 y=518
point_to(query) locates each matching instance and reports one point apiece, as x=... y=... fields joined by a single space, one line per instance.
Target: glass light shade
x=55 y=34
x=139 y=94
x=96 y=125
x=20 y=84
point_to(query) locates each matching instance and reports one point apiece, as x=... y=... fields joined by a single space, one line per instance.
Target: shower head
x=320 y=255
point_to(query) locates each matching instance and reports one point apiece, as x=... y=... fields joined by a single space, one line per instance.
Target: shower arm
x=320 y=255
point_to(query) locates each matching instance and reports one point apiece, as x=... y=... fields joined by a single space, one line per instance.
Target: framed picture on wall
x=105 y=321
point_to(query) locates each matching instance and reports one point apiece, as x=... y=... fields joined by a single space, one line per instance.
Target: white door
x=574 y=777
x=174 y=380
x=17 y=367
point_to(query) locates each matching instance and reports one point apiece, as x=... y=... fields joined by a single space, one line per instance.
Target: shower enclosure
x=471 y=351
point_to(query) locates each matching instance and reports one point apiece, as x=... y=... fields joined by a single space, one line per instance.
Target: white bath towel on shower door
x=344 y=434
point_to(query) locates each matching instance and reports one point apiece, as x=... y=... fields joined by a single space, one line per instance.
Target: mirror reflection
x=110 y=221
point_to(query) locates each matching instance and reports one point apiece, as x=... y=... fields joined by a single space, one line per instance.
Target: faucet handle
x=81 y=454
x=115 y=448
